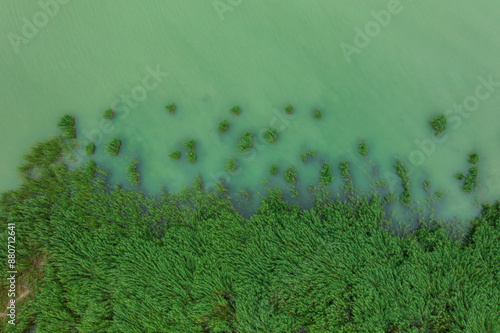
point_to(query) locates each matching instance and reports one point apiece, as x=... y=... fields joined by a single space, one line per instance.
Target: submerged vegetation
x=439 y=124
x=271 y=134
x=170 y=107
x=113 y=146
x=230 y=165
x=362 y=148
x=245 y=143
x=317 y=113
x=132 y=173
x=235 y=110
x=274 y=169
x=92 y=255
x=108 y=114
x=403 y=175
x=89 y=148
x=223 y=126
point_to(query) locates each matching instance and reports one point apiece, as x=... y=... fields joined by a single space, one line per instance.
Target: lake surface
x=382 y=86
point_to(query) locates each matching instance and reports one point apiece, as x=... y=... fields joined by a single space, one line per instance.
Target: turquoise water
x=260 y=55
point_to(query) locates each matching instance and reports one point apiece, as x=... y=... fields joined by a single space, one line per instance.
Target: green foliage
x=191 y=156
x=473 y=158
x=274 y=169
x=326 y=174
x=108 y=114
x=132 y=173
x=390 y=197
x=190 y=144
x=311 y=153
x=170 y=107
x=470 y=181
x=439 y=194
x=236 y=109
x=66 y=121
x=439 y=124
x=289 y=108
x=317 y=113
x=69 y=132
x=303 y=157
x=271 y=134
x=427 y=185
x=175 y=155
x=223 y=126
x=459 y=176
x=403 y=175
x=230 y=165
x=89 y=148
x=344 y=171
x=362 y=148
x=113 y=146
x=245 y=143
x=290 y=175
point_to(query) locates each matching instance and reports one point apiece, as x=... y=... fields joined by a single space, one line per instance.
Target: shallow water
x=261 y=55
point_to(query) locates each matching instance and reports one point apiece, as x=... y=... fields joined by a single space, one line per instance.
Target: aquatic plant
x=236 y=110
x=311 y=153
x=439 y=194
x=190 y=144
x=271 y=134
x=245 y=143
x=175 y=155
x=344 y=171
x=89 y=148
x=289 y=108
x=223 y=126
x=274 y=169
x=69 y=132
x=113 y=146
x=473 y=158
x=402 y=172
x=326 y=176
x=459 y=175
x=170 y=107
x=439 y=124
x=66 y=121
x=191 y=155
x=427 y=185
x=470 y=181
x=390 y=197
x=362 y=148
x=290 y=175
x=303 y=156
x=317 y=113
x=108 y=114
x=133 y=175
x=230 y=165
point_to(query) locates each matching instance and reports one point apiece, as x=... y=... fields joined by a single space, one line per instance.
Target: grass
x=271 y=134
x=403 y=175
x=235 y=110
x=230 y=165
x=89 y=148
x=133 y=176
x=108 y=114
x=303 y=156
x=439 y=124
x=274 y=169
x=175 y=155
x=245 y=143
x=344 y=171
x=326 y=174
x=317 y=113
x=290 y=175
x=190 y=144
x=470 y=181
x=362 y=148
x=191 y=155
x=473 y=158
x=390 y=197
x=113 y=146
x=65 y=121
x=170 y=107
x=289 y=108
x=69 y=132
x=223 y=126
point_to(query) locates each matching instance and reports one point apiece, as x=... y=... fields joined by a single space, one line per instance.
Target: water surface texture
x=206 y=56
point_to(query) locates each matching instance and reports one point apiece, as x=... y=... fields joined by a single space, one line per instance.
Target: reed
x=230 y=165
x=113 y=146
x=89 y=148
x=223 y=126
x=108 y=114
x=170 y=107
x=245 y=143
x=317 y=113
x=271 y=134
x=175 y=155
x=235 y=110
x=439 y=124
x=289 y=108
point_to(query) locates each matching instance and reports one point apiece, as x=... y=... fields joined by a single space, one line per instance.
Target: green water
x=261 y=55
